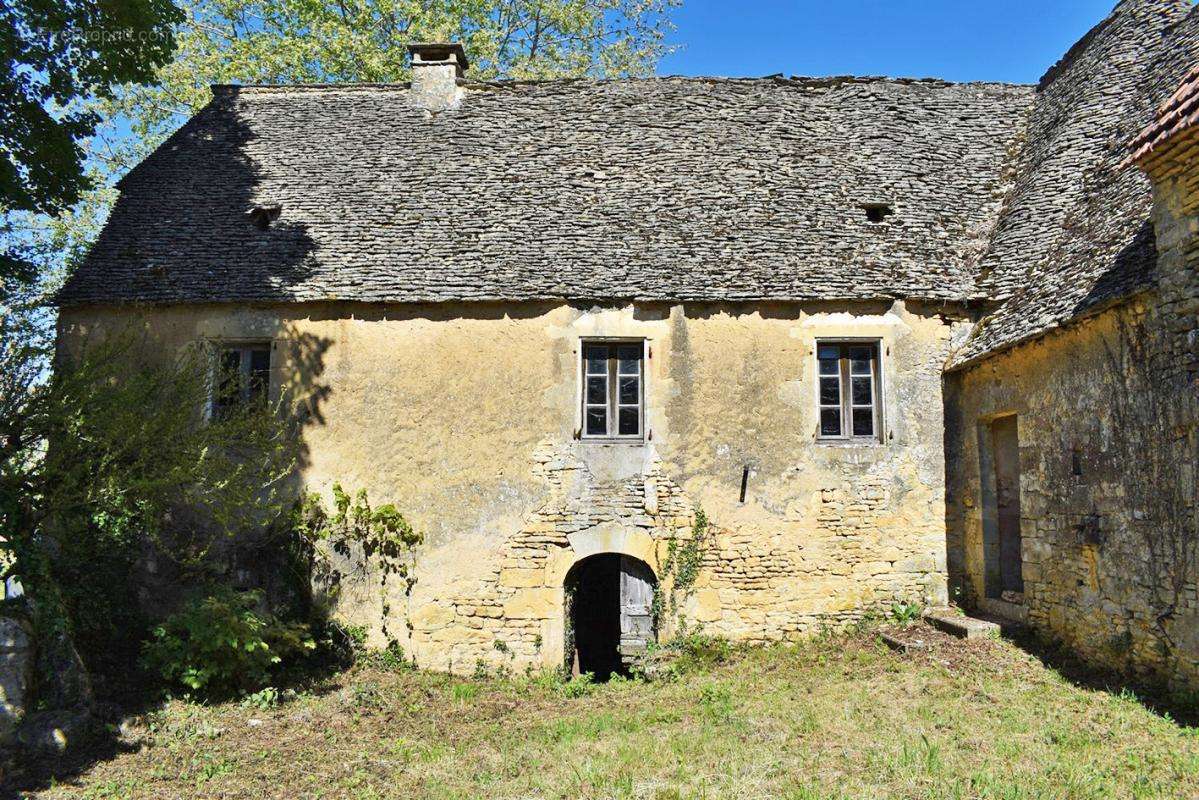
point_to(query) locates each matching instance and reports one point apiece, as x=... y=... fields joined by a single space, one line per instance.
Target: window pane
x=830 y=392
x=230 y=363
x=597 y=390
x=596 y=358
x=863 y=422
x=228 y=381
x=260 y=373
x=630 y=359
x=630 y=391
x=829 y=366
x=830 y=422
x=828 y=352
x=629 y=421
x=260 y=360
x=860 y=358
x=863 y=393
x=597 y=421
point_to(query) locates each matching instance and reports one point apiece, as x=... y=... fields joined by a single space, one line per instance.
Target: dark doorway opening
x=610 y=611
x=999 y=453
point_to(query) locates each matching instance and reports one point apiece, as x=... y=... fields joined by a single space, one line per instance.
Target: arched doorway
x=609 y=608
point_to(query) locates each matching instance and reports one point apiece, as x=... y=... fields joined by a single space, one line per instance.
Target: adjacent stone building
x=552 y=320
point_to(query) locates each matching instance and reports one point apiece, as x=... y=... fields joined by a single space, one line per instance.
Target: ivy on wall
x=383 y=535
x=1153 y=408
x=684 y=557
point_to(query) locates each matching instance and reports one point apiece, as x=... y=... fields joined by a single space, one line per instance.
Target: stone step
x=962 y=626
x=1005 y=613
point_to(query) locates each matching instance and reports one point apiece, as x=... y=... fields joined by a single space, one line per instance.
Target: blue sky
x=1001 y=40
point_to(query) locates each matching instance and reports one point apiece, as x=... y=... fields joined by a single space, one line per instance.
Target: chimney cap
x=424 y=53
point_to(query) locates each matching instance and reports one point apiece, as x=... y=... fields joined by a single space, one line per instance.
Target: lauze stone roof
x=689 y=189
x=1075 y=233
x=670 y=188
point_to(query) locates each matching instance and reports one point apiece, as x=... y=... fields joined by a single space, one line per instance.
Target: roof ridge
x=1068 y=58
x=806 y=81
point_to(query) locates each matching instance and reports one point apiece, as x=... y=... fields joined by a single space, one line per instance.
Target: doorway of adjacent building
x=999 y=455
x=610 y=609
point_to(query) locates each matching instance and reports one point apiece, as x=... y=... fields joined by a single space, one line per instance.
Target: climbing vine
x=681 y=567
x=1153 y=410
x=382 y=534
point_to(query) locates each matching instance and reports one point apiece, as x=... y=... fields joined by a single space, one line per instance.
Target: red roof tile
x=1174 y=116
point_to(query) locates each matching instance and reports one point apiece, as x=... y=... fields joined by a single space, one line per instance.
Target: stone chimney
x=436 y=68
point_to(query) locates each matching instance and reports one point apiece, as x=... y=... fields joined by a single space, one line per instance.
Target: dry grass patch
x=841 y=717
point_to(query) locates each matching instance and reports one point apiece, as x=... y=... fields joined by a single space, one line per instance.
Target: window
x=613 y=389
x=849 y=390
x=243 y=377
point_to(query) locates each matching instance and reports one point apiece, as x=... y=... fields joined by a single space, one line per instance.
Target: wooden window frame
x=845 y=404
x=246 y=394
x=612 y=404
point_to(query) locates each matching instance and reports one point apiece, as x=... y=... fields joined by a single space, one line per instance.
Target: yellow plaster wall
x=464 y=416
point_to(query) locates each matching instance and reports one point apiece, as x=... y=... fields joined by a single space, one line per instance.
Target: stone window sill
x=850 y=444
x=610 y=441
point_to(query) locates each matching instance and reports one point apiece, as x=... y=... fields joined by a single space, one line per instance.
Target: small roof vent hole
x=877 y=212
x=263 y=216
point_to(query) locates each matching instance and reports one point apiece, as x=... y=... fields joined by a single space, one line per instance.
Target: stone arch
x=608 y=613
x=607 y=538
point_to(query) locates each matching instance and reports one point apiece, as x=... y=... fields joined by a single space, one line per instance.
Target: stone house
x=865 y=324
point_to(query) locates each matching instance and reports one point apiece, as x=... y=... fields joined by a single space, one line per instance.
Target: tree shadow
x=190 y=222
x=1131 y=268
x=1152 y=695
x=199 y=216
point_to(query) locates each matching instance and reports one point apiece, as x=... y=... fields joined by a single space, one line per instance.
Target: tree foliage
x=56 y=57
x=328 y=41
x=59 y=60
x=107 y=458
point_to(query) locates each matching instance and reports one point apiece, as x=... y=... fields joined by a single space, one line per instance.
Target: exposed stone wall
x=464 y=416
x=1107 y=492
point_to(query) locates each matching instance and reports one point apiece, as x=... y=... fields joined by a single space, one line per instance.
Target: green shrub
x=390 y=658
x=219 y=645
x=717 y=703
x=904 y=613
x=691 y=650
x=579 y=686
x=698 y=649
x=262 y=700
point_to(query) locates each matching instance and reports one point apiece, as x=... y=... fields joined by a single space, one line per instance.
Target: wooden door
x=636 y=607
x=1005 y=445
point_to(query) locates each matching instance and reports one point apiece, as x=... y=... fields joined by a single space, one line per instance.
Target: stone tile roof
x=1075 y=233
x=656 y=189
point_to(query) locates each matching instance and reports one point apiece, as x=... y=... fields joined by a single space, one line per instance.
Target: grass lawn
x=839 y=717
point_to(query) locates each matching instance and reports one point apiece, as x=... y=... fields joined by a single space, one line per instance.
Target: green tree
x=59 y=60
x=106 y=460
x=318 y=41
